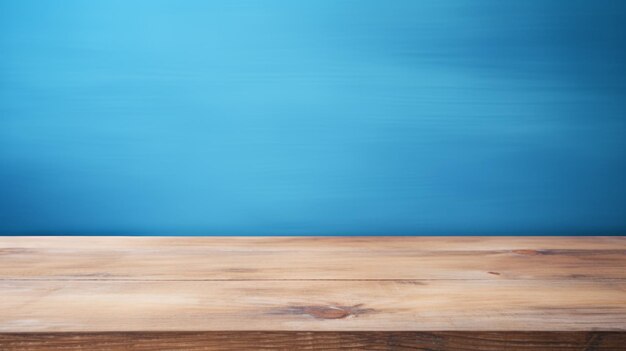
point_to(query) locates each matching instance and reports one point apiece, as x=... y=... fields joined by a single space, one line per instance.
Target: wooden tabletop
x=312 y=284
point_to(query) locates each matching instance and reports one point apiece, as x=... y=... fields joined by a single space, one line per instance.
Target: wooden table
x=313 y=293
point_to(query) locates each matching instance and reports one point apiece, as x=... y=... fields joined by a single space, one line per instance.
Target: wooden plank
x=374 y=341
x=391 y=293
x=453 y=305
x=314 y=258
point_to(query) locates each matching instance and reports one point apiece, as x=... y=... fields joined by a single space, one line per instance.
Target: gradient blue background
x=313 y=117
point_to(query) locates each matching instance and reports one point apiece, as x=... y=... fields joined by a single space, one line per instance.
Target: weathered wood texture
x=374 y=341
x=483 y=290
x=310 y=258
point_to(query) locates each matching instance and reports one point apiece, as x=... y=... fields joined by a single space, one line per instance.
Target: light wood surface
x=122 y=284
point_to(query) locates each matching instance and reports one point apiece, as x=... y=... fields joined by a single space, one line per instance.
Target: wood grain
x=320 y=293
x=257 y=258
x=373 y=341
x=89 y=306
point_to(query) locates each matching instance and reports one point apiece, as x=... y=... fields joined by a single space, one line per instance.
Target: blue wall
x=313 y=117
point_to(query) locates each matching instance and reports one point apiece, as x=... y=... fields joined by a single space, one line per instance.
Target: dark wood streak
x=325 y=312
x=529 y=252
x=374 y=341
